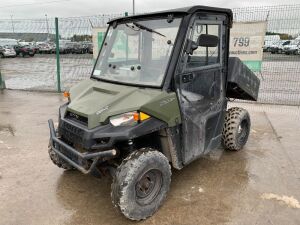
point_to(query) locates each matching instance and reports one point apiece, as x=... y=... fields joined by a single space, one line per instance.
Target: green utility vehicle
x=157 y=98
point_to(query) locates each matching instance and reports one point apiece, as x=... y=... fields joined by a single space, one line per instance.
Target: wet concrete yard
x=258 y=185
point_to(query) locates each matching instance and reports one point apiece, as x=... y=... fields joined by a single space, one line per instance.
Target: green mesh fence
x=278 y=70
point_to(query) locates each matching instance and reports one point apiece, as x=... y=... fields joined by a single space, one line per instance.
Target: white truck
x=269 y=41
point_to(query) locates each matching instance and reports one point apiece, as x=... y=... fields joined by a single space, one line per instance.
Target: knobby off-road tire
x=57 y=160
x=236 y=129
x=141 y=183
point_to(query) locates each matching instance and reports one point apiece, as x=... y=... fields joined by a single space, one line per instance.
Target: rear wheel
x=141 y=183
x=236 y=129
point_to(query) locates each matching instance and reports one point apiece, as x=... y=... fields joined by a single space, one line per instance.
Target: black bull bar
x=58 y=144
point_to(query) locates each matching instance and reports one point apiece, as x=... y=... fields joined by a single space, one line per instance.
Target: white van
x=269 y=41
x=64 y=46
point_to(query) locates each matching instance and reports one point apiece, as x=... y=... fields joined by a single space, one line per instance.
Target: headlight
x=128 y=119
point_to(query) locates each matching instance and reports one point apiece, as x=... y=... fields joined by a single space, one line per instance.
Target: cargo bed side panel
x=242 y=82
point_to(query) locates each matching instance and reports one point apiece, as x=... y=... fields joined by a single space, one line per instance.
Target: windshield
x=137 y=52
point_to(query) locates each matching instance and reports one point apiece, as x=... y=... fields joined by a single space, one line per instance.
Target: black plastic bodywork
x=84 y=148
x=105 y=136
x=183 y=11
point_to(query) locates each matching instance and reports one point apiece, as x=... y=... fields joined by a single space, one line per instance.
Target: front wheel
x=141 y=183
x=236 y=129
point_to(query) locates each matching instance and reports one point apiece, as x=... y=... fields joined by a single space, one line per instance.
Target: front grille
x=77 y=118
x=71 y=133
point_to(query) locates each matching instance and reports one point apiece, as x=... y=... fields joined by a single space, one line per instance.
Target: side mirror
x=190 y=46
x=207 y=40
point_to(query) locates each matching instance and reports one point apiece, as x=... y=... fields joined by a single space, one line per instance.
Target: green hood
x=99 y=100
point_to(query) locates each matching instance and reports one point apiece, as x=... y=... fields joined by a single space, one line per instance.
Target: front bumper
x=45 y=50
x=274 y=49
x=9 y=54
x=106 y=136
x=75 y=158
x=99 y=142
x=289 y=50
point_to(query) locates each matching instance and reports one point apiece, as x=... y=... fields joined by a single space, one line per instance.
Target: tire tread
x=122 y=179
x=233 y=118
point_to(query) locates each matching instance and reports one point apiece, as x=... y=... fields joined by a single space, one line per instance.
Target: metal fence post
x=2 y=82
x=57 y=55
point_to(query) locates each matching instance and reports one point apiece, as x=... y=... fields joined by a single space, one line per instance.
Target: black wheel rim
x=148 y=187
x=243 y=132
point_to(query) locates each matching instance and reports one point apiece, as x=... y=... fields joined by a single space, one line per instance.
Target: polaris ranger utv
x=157 y=98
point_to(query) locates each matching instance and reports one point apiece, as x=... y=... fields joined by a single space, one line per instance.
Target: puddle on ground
x=7 y=130
x=5 y=112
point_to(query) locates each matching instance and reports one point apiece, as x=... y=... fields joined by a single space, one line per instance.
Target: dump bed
x=242 y=83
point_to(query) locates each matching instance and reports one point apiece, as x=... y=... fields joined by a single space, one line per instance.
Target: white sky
x=70 y=8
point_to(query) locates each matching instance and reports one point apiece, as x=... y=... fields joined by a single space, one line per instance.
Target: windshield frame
x=137 y=20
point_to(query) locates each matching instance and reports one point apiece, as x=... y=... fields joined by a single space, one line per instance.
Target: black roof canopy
x=185 y=10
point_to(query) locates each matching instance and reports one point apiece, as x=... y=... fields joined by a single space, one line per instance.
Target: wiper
x=147 y=29
x=131 y=27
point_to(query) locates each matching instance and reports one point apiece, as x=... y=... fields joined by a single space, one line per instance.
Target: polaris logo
x=102 y=110
x=166 y=101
